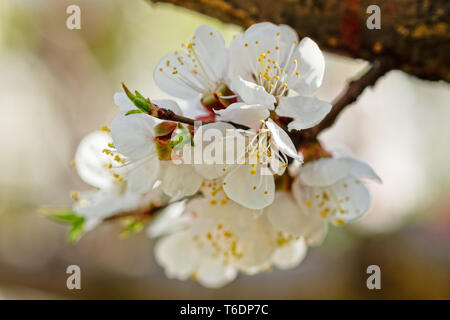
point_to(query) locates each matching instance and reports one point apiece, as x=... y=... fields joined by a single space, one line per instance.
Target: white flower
x=267 y=61
x=288 y=217
x=224 y=237
x=198 y=72
x=99 y=169
x=182 y=258
x=197 y=69
x=333 y=188
x=134 y=137
x=260 y=154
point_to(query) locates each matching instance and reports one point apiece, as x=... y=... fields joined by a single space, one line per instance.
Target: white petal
x=248 y=187
x=175 y=73
x=210 y=49
x=211 y=148
x=177 y=254
x=212 y=273
x=310 y=67
x=256 y=244
x=143 y=175
x=169 y=220
x=179 y=82
x=216 y=205
x=323 y=172
x=290 y=255
x=123 y=102
x=353 y=199
x=361 y=169
x=92 y=163
x=248 y=115
x=100 y=204
x=306 y=111
x=239 y=64
x=285 y=215
x=313 y=226
x=251 y=93
x=180 y=180
x=133 y=135
x=283 y=141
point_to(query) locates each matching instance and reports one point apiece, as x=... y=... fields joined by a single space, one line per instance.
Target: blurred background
x=56 y=85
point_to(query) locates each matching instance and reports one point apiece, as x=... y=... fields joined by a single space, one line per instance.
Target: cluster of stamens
x=271 y=73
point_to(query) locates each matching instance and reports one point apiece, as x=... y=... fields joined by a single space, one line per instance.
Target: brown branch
x=354 y=89
x=147 y=212
x=140 y=214
x=414 y=33
x=167 y=114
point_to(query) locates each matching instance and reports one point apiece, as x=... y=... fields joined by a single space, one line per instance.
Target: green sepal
x=133 y=112
x=165 y=128
x=139 y=101
x=163 y=149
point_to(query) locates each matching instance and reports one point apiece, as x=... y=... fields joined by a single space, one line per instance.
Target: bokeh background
x=56 y=85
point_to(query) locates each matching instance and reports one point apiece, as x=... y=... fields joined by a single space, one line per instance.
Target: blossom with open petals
x=333 y=188
x=102 y=170
x=134 y=137
x=267 y=62
x=261 y=153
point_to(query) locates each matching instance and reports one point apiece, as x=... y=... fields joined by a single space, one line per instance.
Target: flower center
x=272 y=73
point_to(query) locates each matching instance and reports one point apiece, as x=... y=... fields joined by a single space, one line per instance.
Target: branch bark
x=414 y=33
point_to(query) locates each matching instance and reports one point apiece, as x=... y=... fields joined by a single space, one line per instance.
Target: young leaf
x=131 y=226
x=76 y=231
x=133 y=112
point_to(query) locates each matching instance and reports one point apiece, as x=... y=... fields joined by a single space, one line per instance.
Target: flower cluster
x=228 y=191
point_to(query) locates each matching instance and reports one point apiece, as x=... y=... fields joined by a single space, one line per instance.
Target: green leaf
x=68 y=217
x=133 y=112
x=76 y=231
x=63 y=215
x=139 y=95
x=131 y=226
x=142 y=104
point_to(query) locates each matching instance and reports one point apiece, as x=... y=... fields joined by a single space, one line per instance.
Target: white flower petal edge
x=290 y=255
x=241 y=113
x=123 y=102
x=306 y=111
x=181 y=258
x=324 y=172
x=211 y=147
x=133 y=135
x=311 y=67
x=339 y=197
x=250 y=186
x=287 y=216
x=252 y=93
x=197 y=71
x=96 y=205
x=282 y=141
x=94 y=166
x=180 y=180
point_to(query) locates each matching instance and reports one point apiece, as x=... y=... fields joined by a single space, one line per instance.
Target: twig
x=166 y=114
x=149 y=211
x=354 y=89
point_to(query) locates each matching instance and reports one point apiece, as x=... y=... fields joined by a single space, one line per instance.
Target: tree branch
x=167 y=114
x=414 y=33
